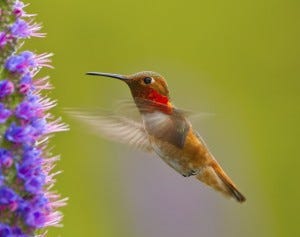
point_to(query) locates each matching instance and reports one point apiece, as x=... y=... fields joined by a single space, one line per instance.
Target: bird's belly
x=187 y=160
x=173 y=160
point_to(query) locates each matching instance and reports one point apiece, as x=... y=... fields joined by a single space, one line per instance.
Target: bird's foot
x=190 y=173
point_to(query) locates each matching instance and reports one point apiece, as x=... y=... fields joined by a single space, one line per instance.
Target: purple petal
x=36 y=219
x=22 y=29
x=3 y=39
x=7 y=196
x=4 y=113
x=21 y=63
x=25 y=84
x=19 y=134
x=18 y=9
x=28 y=110
x=6 y=88
x=6 y=158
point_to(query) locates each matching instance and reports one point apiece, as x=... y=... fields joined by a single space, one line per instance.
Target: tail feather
x=214 y=176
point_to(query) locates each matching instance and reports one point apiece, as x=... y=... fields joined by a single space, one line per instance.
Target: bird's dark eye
x=148 y=80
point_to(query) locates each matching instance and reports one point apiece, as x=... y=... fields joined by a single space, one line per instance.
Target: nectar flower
x=6 y=158
x=27 y=205
x=4 y=113
x=7 y=196
x=19 y=134
x=18 y=9
x=25 y=84
x=23 y=29
x=6 y=88
x=21 y=63
x=3 y=39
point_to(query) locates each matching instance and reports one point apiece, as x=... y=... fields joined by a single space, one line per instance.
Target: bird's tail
x=214 y=176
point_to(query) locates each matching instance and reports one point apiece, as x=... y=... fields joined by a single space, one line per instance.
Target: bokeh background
x=238 y=60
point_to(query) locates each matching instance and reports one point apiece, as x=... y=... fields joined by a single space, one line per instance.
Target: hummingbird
x=164 y=130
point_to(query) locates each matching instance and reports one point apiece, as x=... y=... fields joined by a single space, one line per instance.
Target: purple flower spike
x=27 y=204
x=6 y=88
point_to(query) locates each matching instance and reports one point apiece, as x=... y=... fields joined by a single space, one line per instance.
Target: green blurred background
x=236 y=59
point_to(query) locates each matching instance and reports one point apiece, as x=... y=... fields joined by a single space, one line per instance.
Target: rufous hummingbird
x=164 y=130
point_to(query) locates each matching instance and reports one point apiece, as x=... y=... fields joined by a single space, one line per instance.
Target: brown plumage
x=164 y=130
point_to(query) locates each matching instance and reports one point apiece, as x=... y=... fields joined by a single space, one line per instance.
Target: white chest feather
x=157 y=121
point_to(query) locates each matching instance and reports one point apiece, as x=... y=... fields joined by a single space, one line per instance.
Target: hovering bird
x=164 y=130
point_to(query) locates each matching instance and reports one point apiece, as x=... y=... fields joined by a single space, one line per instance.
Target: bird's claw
x=190 y=173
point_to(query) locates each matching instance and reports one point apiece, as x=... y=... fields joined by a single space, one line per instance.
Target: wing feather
x=116 y=128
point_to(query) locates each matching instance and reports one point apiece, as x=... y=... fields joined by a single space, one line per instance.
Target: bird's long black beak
x=104 y=74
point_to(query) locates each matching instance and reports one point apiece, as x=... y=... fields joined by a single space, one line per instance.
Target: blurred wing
x=116 y=128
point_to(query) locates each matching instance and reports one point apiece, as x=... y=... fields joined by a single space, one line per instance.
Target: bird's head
x=145 y=85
